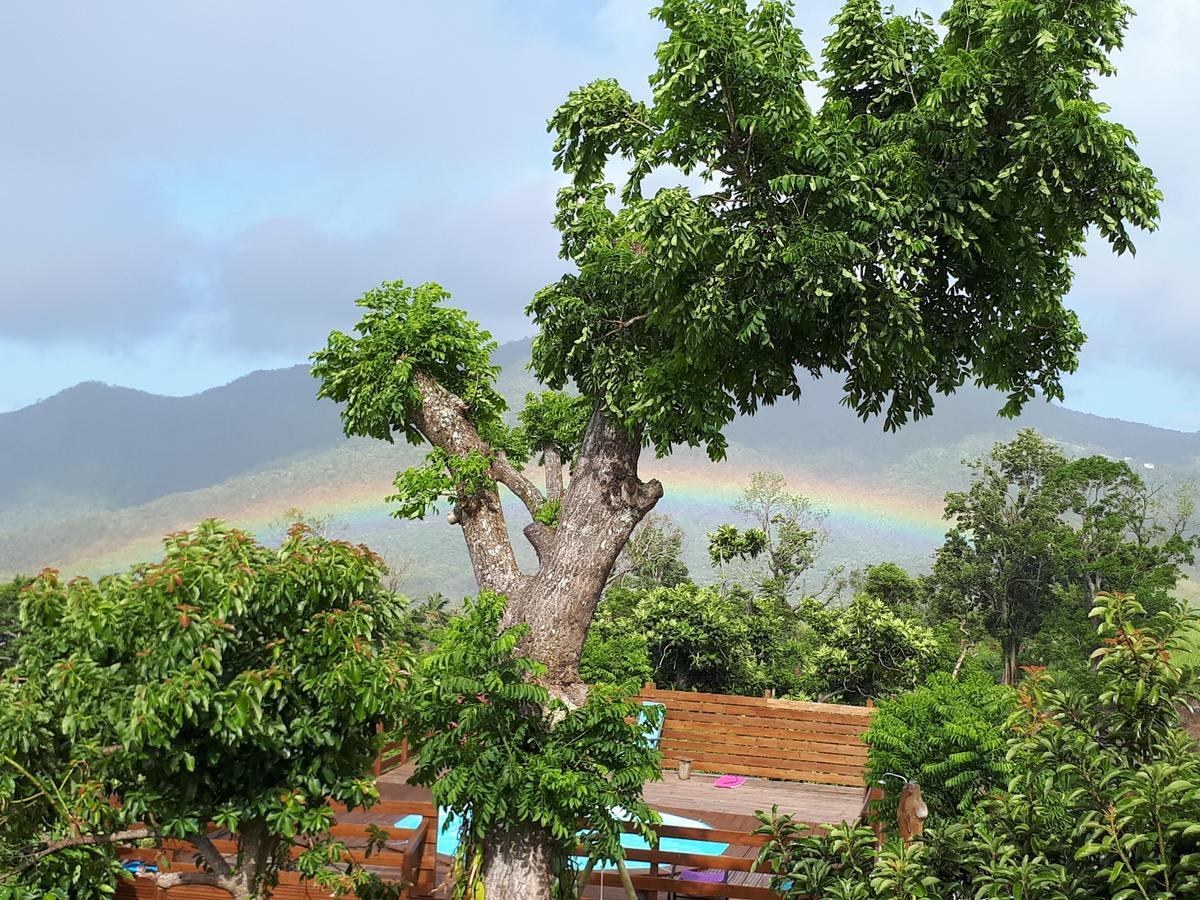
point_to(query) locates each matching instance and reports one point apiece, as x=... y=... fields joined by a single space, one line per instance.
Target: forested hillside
x=91 y=478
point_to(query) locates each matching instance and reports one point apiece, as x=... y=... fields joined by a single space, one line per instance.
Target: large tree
x=1002 y=562
x=914 y=231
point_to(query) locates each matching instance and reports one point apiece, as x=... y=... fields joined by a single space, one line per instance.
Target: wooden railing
x=390 y=755
x=739 y=881
x=414 y=864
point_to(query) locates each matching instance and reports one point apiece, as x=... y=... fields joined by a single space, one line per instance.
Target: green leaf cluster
x=441 y=476
x=229 y=682
x=404 y=331
x=553 y=419
x=496 y=749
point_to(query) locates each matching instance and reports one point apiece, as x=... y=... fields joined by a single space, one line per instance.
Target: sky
x=190 y=191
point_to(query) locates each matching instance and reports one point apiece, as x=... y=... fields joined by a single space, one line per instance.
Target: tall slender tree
x=914 y=231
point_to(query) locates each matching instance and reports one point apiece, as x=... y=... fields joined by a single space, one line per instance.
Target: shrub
x=865 y=650
x=1103 y=800
x=229 y=683
x=496 y=749
x=948 y=735
x=615 y=659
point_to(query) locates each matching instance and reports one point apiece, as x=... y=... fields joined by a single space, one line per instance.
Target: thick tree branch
x=541 y=537
x=235 y=886
x=442 y=419
x=83 y=840
x=524 y=489
x=209 y=853
x=554 y=474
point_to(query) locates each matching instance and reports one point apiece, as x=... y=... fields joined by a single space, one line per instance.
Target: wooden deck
x=696 y=798
x=724 y=809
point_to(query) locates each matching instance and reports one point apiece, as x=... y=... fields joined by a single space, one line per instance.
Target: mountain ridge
x=91 y=477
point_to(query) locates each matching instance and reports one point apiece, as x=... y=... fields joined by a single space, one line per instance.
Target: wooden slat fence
x=786 y=740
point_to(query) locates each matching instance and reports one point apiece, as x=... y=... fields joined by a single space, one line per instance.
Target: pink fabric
x=708 y=876
x=729 y=781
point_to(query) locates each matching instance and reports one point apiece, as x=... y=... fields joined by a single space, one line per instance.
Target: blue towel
x=412 y=821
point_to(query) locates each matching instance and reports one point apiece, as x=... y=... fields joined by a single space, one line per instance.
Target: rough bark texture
x=601 y=506
x=518 y=864
x=554 y=474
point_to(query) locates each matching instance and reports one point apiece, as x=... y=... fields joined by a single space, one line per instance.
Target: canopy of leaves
x=1036 y=532
x=228 y=683
x=694 y=638
x=864 y=651
x=405 y=330
x=1000 y=559
x=912 y=233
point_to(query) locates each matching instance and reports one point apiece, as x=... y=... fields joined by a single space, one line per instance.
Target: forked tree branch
x=442 y=420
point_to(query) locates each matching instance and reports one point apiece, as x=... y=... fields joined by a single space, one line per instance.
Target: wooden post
x=911 y=814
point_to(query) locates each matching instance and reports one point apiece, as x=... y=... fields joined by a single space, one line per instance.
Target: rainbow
x=867 y=519
x=858 y=504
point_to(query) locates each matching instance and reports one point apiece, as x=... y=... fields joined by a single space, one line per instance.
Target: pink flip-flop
x=729 y=781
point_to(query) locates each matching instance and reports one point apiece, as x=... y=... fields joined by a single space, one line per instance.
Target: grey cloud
x=431 y=115
x=412 y=138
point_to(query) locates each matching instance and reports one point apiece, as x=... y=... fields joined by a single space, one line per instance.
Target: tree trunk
x=1011 y=648
x=518 y=864
x=601 y=506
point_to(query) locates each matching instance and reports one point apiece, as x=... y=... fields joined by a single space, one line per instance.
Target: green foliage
x=1036 y=535
x=1126 y=536
x=1000 y=561
x=652 y=557
x=792 y=532
x=1103 y=798
x=728 y=542
x=915 y=231
x=496 y=749
x=615 y=658
x=10 y=615
x=864 y=650
x=555 y=420
x=890 y=584
x=549 y=512
x=442 y=476
x=695 y=638
x=229 y=682
x=406 y=331
x=947 y=735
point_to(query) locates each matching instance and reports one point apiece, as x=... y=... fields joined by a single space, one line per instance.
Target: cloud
x=194 y=189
